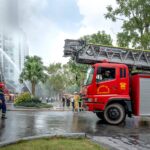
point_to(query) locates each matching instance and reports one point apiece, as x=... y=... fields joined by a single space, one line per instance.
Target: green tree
x=57 y=78
x=136 y=22
x=77 y=72
x=63 y=78
x=33 y=71
x=98 y=38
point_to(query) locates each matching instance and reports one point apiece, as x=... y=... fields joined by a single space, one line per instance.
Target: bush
x=23 y=97
x=26 y=100
x=35 y=100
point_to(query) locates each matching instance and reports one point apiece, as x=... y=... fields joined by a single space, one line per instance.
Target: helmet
x=2 y=85
x=107 y=71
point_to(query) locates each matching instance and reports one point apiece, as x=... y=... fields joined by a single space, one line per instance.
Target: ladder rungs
x=91 y=53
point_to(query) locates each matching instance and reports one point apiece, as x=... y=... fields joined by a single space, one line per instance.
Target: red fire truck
x=117 y=82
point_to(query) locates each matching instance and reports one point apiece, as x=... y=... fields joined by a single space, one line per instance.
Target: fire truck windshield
x=89 y=76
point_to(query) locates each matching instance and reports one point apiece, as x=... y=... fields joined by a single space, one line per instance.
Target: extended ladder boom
x=91 y=53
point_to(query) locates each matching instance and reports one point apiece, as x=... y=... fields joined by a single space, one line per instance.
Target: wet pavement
x=133 y=134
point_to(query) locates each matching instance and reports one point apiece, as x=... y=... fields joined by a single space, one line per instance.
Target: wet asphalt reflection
x=133 y=134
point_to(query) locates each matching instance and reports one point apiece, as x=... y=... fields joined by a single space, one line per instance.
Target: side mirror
x=98 y=78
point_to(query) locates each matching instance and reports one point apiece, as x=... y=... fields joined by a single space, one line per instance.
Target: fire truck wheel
x=100 y=115
x=114 y=114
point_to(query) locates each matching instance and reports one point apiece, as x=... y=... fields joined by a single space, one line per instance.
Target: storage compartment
x=140 y=94
x=144 y=96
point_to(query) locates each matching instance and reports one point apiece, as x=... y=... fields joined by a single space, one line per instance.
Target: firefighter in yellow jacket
x=76 y=101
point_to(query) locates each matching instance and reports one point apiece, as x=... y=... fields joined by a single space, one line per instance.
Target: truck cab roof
x=107 y=64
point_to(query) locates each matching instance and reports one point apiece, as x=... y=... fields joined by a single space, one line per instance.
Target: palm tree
x=33 y=71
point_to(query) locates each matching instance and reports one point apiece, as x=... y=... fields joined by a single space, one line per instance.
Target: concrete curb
x=40 y=109
x=21 y=108
x=29 y=109
x=66 y=135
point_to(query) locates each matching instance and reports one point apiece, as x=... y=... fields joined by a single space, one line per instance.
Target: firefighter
x=107 y=75
x=80 y=103
x=76 y=101
x=2 y=101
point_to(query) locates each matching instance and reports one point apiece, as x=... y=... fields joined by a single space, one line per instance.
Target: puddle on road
x=138 y=122
x=122 y=143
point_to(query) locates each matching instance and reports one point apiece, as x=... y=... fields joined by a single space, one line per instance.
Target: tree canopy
x=33 y=71
x=66 y=78
x=135 y=15
x=98 y=38
x=57 y=79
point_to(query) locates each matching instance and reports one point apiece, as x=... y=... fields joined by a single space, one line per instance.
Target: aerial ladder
x=85 y=53
x=111 y=88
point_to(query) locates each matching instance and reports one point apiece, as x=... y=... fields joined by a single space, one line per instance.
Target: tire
x=114 y=114
x=100 y=115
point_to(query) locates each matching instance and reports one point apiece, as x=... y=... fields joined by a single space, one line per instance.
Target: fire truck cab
x=106 y=91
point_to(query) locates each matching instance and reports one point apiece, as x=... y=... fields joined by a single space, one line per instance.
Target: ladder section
x=90 y=54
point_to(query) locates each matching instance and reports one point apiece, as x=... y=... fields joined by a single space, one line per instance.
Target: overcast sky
x=47 y=23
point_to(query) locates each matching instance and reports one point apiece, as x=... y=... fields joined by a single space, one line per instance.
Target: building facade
x=13 y=50
x=13 y=44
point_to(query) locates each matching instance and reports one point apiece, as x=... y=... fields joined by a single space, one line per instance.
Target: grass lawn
x=54 y=144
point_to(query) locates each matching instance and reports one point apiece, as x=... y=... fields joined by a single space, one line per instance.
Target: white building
x=13 y=44
x=13 y=50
